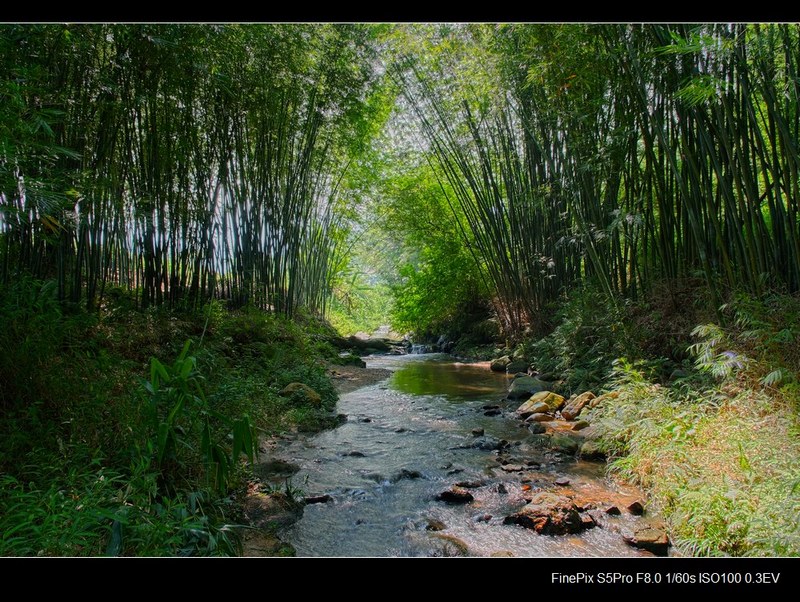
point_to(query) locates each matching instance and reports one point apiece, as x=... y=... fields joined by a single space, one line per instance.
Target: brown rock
x=636 y=507
x=613 y=510
x=548 y=514
x=435 y=525
x=574 y=406
x=539 y=417
x=470 y=484
x=455 y=495
x=528 y=408
x=554 y=401
x=648 y=536
x=579 y=425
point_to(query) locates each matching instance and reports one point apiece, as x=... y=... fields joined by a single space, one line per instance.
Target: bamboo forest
x=372 y=289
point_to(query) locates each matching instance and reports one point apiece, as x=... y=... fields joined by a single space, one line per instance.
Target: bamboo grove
x=179 y=163
x=622 y=154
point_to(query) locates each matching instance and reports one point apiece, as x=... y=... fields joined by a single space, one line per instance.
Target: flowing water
x=409 y=438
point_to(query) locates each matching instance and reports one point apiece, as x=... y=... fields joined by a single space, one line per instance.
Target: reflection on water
x=408 y=439
x=443 y=376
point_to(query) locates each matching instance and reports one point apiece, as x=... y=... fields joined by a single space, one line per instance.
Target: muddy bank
x=350 y=378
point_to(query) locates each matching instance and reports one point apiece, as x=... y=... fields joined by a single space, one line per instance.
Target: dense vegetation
x=615 y=204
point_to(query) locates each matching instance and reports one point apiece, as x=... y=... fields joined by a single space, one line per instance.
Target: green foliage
x=591 y=334
x=709 y=358
x=432 y=295
x=359 y=306
x=177 y=409
x=93 y=464
x=65 y=518
x=181 y=163
x=717 y=449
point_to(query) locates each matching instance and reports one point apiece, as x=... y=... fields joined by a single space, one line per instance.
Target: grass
x=712 y=437
x=719 y=459
x=83 y=467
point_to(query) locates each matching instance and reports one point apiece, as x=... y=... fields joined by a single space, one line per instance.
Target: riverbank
x=127 y=431
x=267 y=509
x=703 y=418
x=349 y=378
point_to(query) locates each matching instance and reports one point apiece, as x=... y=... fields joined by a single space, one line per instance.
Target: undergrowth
x=128 y=432
x=717 y=448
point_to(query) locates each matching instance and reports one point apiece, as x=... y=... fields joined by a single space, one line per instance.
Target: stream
x=409 y=438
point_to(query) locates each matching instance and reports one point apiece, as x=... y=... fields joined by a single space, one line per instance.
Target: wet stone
x=318 y=499
x=650 y=537
x=455 y=495
x=470 y=484
x=536 y=428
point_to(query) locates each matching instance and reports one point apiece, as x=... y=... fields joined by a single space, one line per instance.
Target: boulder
x=486 y=443
x=405 y=473
x=301 y=393
x=499 y=364
x=648 y=536
x=548 y=514
x=590 y=450
x=455 y=495
x=450 y=545
x=553 y=401
x=477 y=432
x=562 y=481
x=574 y=406
x=635 y=507
x=536 y=428
x=532 y=407
x=564 y=443
x=435 y=525
x=524 y=386
x=492 y=412
x=587 y=521
x=613 y=510
x=579 y=425
x=517 y=366
x=539 y=417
